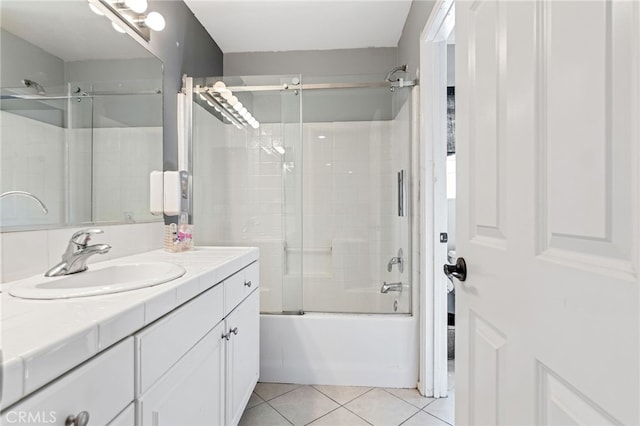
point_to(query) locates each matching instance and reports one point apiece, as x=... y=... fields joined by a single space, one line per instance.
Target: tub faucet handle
x=397 y=260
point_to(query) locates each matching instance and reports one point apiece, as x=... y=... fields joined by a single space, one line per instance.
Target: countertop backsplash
x=30 y=253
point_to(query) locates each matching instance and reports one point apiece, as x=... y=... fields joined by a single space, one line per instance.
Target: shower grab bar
x=309 y=249
x=402 y=194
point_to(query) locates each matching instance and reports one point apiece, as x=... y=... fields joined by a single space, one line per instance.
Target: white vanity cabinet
x=195 y=365
x=100 y=389
x=199 y=364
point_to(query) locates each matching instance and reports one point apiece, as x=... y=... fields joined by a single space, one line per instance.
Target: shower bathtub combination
x=315 y=171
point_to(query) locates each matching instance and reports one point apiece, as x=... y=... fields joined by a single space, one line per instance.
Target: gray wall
x=409 y=44
x=143 y=75
x=323 y=106
x=184 y=47
x=312 y=62
x=21 y=59
x=451 y=65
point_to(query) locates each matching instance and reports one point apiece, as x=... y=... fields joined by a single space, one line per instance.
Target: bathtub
x=340 y=349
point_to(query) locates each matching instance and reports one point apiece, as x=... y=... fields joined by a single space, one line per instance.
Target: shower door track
x=321 y=86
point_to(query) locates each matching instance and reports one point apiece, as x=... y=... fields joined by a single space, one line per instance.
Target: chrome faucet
x=77 y=253
x=387 y=287
x=397 y=260
x=28 y=195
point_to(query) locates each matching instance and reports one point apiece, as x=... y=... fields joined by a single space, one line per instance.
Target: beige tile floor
x=275 y=404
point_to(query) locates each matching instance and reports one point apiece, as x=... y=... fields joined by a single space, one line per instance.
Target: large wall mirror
x=80 y=118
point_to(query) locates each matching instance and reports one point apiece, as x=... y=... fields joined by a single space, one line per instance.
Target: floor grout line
x=356 y=414
x=276 y=410
x=340 y=405
x=289 y=391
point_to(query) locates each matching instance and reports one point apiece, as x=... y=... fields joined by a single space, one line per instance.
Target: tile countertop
x=42 y=339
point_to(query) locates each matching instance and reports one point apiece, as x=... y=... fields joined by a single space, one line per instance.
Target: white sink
x=98 y=281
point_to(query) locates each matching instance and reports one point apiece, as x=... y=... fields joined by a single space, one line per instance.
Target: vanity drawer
x=162 y=344
x=102 y=387
x=239 y=285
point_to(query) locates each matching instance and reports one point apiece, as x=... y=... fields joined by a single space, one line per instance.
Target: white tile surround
x=123 y=159
x=37 y=151
x=30 y=253
x=34 y=158
x=350 y=228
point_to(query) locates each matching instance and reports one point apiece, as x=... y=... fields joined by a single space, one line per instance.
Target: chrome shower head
x=30 y=83
x=402 y=68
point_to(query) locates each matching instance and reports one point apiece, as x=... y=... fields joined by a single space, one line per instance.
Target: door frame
x=433 y=132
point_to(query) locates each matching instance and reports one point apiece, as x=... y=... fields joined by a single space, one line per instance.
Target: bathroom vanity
x=185 y=352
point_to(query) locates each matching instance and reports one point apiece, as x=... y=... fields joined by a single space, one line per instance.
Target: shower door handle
x=459 y=270
x=402 y=194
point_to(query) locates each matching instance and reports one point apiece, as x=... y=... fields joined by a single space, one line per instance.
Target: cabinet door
x=243 y=355
x=192 y=391
x=126 y=418
x=102 y=388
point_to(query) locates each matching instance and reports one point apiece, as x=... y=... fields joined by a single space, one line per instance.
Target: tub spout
x=387 y=287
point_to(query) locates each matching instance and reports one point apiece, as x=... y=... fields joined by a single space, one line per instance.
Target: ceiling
x=266 y=26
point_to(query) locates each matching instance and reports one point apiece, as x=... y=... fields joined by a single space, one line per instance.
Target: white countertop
x=42 y=339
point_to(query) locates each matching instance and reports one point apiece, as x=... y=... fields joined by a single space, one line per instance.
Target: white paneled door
x=548 y=127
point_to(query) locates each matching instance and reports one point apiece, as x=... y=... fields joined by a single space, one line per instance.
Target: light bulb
x=138 y=6
x=155 y=21
x=118 y=28
x=232 y=100
x=255 y=124
x=95 y=10
x=219 y=86
x=243 y=112
x=226 y=93
x=210 y=104
x=238 y=106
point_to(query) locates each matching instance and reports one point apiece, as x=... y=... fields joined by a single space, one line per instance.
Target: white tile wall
x=244 y=189
x=122 y=161
x=33 y=160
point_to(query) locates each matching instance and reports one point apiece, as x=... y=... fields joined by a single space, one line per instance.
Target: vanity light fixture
x=129 y=13
x=228 y=105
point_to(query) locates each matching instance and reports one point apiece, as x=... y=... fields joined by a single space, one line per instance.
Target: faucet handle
x=82 y=237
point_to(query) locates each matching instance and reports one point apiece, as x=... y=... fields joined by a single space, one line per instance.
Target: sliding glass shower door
x=246 y=182
x=317 y=187
x=355 y=145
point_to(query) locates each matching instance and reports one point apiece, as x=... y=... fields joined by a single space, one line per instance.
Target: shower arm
x=402 y=68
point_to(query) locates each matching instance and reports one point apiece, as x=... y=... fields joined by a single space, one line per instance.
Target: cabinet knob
x=247 y=283
x=233 y=330
x=81 y=419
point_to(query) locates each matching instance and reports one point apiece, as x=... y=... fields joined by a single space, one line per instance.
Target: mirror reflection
x=80 y=118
